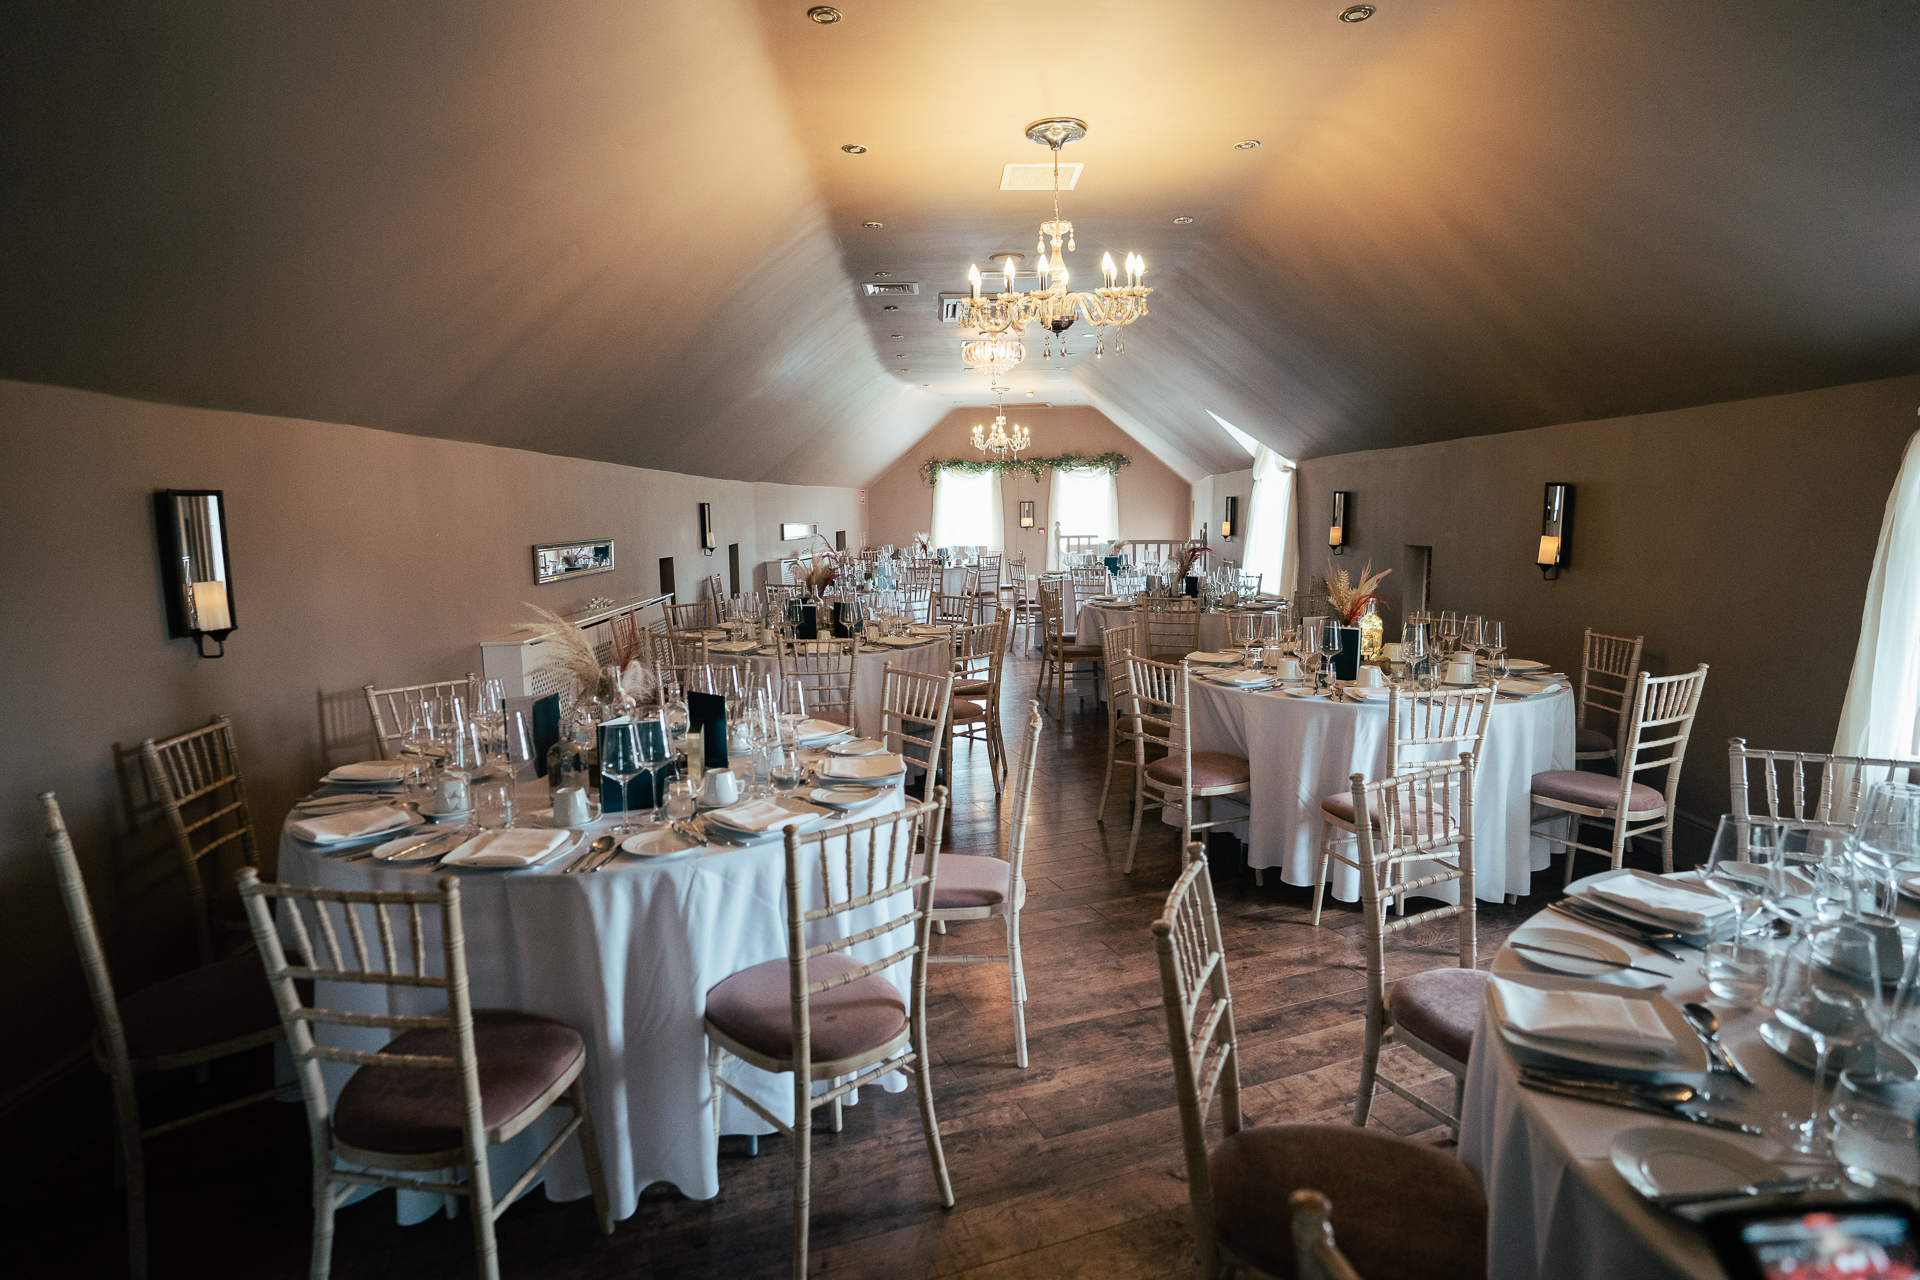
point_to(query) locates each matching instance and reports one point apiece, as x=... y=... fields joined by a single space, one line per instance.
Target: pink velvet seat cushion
x=1210 y=769
x=754 y=1007
x=1440 y=1008
x=1401 y=1210
x=199 y=1008
x=1594 y=791
x=1585 y=740
x=419 y=1109
x=964 y=711
x=1430 y=819
x=968 y=880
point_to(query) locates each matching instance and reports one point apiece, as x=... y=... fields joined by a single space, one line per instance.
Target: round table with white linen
x=1302 y=751
x=1557 y=1207
x=932 y=655
x=625 y=956
x=1095 y=619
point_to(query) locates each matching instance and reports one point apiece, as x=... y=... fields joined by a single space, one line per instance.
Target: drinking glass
x=490 y=713
x=493 y=804
x=1493 y=638
x=793 y=697
x=1307 y=647
x=1448 y=629
x=1886 y=838
x=1329 y=648
x=784 y=768
x=1741 y=866
x=1413 y=651
x=418 y=739
x=465 y=760
x=682 y=800
x=655 y=755
x=620 y=763
x=1828 y=991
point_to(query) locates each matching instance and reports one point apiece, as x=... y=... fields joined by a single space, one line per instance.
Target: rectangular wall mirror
x=789 y=532
x=195 y=565
x=555 y=561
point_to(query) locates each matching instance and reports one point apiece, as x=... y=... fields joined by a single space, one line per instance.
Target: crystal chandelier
x=1052 y=306
x=994 y=357
x=1001 y=443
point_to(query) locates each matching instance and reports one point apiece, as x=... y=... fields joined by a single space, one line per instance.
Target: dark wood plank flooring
x=1069 y=1168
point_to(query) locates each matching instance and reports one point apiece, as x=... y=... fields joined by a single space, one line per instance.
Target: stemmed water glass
x=1742 y=866
x=621 y=761
x=656 y=752
x=1413 y=652
x=465 y=760
x=1329 y=648
x=1829 y=991
x=1493 y=638
x=1886 y=838
x=1307 y=646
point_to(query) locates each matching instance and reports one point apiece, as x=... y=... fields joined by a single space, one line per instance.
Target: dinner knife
x=1633 y=1102
x=1618 y=928
x=1774 y=1187
x=1571 y=955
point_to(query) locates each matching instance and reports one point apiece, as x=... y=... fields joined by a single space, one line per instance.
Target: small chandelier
x=1000 y=442
x=1051 y=306
x=994 y=357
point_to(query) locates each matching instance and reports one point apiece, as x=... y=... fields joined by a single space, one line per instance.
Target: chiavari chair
x=978 y=660
x=830 y=672
x=1608 y=666
x=1806 y=786
x=196 y=778
x=388 y=709
x=1062 y=652
x=1160 y=693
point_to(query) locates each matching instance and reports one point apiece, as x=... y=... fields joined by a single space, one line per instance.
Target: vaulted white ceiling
x=627 y=231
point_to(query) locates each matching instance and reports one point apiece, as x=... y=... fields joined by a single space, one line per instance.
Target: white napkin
x=370 y=771
x=1686 y=910
x=809 y=729
x=758 y=815
x=1520 y=687
x=856 y=767
x=1248 y=677
x=334 y=827
x=517 y=847
x=1584 y=1017
x=858 y=747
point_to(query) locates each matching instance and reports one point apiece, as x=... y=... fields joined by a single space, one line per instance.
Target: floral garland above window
x=1108 y=462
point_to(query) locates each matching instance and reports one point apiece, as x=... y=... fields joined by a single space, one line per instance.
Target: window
x=966 y=510
x=1880 y=717
x=1082 y=503
x=1270 y=524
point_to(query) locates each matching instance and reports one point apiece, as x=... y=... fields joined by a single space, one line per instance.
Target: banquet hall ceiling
x=627 y=231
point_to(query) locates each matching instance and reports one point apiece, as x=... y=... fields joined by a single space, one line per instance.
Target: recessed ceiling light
x=882 y=274
x=1356 y=13
x=872 y=226
x=854 y=149
x=1247 y=144
x=1181 y=221
x=824 y=14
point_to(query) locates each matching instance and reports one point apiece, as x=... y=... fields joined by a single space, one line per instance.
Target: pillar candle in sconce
x=1026 y=514
x=1337 y=531
x=195 y=566
x=1230 y=522
x=1556 y=529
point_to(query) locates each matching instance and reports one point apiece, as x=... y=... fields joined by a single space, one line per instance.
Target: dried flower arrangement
x=575 y=656
x=1348 y=598
x=1190 y=556
x=825 y=568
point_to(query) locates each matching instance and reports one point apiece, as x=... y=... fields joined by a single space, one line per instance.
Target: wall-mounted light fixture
x=195 y=566
x=1230 y=522
x=709 y=541
x=1337 y=531
x=1556 y=530
x=1026 y=515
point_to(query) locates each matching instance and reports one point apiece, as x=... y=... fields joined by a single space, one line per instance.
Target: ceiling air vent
x=877 y=290
x=1038 y=177
x=950 y=307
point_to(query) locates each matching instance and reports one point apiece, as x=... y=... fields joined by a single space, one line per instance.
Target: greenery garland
x=1108 y=462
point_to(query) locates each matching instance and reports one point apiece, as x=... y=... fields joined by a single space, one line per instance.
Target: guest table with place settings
x=1303 y=749
x=925 y=649
x=624 y=953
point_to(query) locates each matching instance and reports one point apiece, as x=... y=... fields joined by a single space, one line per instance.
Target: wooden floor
x=1069 y=1168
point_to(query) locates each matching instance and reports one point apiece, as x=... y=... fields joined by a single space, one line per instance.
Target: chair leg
x=1139 y=808
x=1017 y=980
x=1369 y=1065
x=1113 y=744
x=802 y=1169
x=486 y=1249
x=1320 y=869
x=132 y=1170
x=714 y=1054
x=923 y=1085
x=839 y=1122
x=1573 y=833
x=590 y=1152
x=321 y=1261
x=1666 y=846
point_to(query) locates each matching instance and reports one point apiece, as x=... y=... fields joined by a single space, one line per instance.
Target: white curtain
x=1272 y=548
x=966 y=510
x=1881 y=716
x=1082 y=502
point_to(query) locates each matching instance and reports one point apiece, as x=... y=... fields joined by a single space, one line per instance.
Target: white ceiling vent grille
x=878 y=290
x=1038 y=177
x=950 y=307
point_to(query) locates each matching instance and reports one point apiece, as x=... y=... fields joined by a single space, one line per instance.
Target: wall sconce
x=1337 y=532
x=708 y=542
x=1026 y=515
x=195 y=566
x=1556 y=530
x=1231 y=520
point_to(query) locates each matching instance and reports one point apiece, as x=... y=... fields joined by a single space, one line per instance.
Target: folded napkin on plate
x=371 y=771
x=858 y=747
x=332 y=828
x=1521 y=687
x=1584 y=1017
x=758 y=815
x=1684 y=909
x=1248 y=677
x=817 y=729
x=856 y=767
x=513 y=848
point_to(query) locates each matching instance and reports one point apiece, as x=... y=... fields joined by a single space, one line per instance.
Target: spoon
x=1707 y=1026
x=594 y=850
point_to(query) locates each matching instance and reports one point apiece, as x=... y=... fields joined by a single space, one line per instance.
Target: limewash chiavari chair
x=388 y=708
x=1062 y=652
x=991 y=575
x=716 y=594
x=1608 y=667
x=977 y=664
x=1426 y=821
x=822 y=1015
x=196 y=777
x=422 y=1103
x=1452 y=720
x=983 y=886
x=952 y=611
x=697 y=616
x=1407 y=1208
x=1123 y=717
x=1162 y=699
x=917 y=603
x=830 y=672
x=1658 y=726
x=673 y=657
x=1250 y=583
x=1172 y=626
x=914 y=706
x=187 y=1020
x=1838 y=783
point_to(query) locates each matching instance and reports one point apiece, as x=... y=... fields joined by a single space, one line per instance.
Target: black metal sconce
x=709 y=543
x=1556 y=530
x=1026 y=514
x=1337 y=531
x=1230 y=522
x=195 y=566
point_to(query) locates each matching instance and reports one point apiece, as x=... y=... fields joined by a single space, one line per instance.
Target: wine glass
x=1413 y=649
x=1741 y=865
x=620 y=762
x=1307 y=647
x=1330 y=645
x=1829 y=991
x=793 y=698
x=1886 y=838
x=1493 y=638
x=465 y=760
x=656 y=752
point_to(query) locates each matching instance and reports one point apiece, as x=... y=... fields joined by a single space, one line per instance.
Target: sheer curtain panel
x=1881 y=716
x=1082 y=502
x=966 y=510
x=1272 y=548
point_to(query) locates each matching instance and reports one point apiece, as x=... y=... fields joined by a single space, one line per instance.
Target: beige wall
x=1210 y=494
x=1739 y=535
x=1154 y=501
x=358 y=556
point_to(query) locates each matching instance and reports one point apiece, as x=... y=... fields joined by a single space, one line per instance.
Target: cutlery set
x=1654 y=1099
x=1659 y=941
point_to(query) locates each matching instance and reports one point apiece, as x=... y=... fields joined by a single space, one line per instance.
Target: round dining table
x=930 y=654
x=1557 y=1207
x=1303 y=750
x=1097 y=616
x=625 y=955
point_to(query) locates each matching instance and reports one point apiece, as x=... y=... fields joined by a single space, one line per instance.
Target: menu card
x=707 y=715
x=545 y=725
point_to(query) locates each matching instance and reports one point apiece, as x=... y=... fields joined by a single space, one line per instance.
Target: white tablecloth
x=1304 y=751
x=870 y=671
x=1096 y=619
x=625 y=956
x=1556 y=1206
